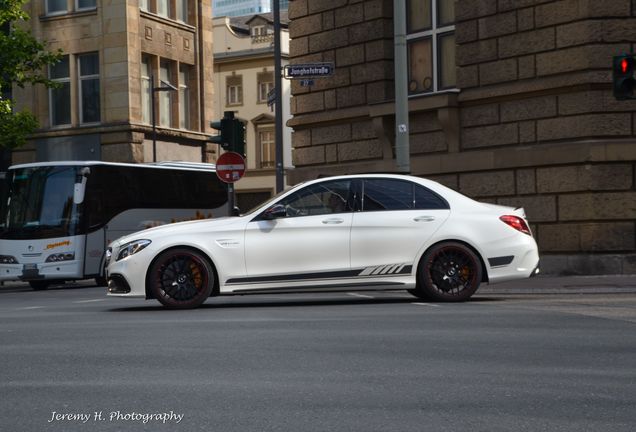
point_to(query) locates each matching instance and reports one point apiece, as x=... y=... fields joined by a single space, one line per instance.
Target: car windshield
x=38 y=203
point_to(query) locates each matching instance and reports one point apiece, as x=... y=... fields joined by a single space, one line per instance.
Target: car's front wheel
x=181 y=279
x=448 y=272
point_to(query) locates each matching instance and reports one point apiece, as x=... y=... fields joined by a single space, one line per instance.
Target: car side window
x=426 y=199
x=384 y=194
x=319 y=199
x=392 y=194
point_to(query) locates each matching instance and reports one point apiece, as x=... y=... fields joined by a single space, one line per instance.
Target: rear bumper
x=523 y=266
x=536 y=270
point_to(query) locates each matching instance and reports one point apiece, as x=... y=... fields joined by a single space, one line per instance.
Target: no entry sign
x=230 y=167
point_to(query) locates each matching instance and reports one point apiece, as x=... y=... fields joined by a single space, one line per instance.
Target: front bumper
x=61 y=270
x=117 y=284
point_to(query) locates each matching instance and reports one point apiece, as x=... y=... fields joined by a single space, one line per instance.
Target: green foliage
x=23 y=60
x=14 y=127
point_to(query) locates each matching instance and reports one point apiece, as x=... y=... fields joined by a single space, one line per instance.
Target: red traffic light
x=624 y=65
x=623 y=80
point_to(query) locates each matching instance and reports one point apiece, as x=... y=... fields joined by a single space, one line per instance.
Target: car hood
x=178 y=228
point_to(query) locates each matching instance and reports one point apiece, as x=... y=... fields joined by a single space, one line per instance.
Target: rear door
x=397 y=218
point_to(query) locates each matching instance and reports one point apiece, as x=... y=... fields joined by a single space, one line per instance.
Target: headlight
x=60 y=257
x=109 y=254
x=131 y=248
x=8 y=259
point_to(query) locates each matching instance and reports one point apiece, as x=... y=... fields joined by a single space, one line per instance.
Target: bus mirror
x=79 y=189
x=78 y=192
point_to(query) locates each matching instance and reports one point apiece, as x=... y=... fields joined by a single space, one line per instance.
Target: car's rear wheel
x=181 y=279
x=448 y=272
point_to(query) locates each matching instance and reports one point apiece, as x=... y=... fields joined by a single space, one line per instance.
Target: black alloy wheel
x=449 y=272
x=181 y=279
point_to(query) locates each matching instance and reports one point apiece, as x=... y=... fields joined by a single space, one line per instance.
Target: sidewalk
x=602 y=284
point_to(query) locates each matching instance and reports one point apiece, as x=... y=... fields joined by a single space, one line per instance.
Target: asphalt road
x=75 y=360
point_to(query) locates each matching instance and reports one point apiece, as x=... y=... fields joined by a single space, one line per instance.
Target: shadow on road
x=298 y=303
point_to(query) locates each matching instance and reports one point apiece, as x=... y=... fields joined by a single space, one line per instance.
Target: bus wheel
x=181 y=279
x=39 y=285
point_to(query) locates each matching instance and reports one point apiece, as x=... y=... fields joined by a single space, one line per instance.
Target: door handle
x=332 y=221
x=424 y=219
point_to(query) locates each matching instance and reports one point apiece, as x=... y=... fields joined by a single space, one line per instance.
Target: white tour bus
x=57 y=218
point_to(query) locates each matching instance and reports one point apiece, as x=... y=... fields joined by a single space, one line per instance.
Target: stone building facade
x=114 y=53
x=526 y=117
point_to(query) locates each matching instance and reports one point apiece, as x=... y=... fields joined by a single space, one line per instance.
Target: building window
x=144 y=5
x=182 y=10
x=431 y=45
x=163 y=8
x=85 y=4
x=89 y=88
x=55 y=7
x=267 y=142
x=265 y=85
x=184 y=97
x=234 y=86
x=60 y=97
x=259 y=30
x=146 y=88
x=165 y=97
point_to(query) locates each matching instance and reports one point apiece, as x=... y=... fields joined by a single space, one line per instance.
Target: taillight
x=517 y=223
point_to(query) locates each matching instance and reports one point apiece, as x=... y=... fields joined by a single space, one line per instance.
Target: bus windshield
x=39 y=203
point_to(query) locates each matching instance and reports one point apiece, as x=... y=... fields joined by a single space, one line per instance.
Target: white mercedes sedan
x=347 y=233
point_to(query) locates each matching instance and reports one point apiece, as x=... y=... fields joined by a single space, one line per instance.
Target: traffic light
x=238 y=137
x=623 y=77
x=232 y=133
x=225 y=127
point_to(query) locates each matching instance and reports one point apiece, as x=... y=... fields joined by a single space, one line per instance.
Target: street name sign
x=309 y=70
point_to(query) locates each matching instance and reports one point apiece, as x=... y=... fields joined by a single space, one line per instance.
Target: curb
x=600 y=284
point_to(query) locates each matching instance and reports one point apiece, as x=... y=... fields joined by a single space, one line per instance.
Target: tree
x=23 y=60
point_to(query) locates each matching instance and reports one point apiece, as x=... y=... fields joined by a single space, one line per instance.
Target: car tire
x=448 y=272
x=181 y=279
x=39 y=285
x=417 y=292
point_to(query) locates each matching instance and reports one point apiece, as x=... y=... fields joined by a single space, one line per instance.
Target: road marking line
x=30 y=307
x=426 y=304
x=360 y=295
x=88 y=301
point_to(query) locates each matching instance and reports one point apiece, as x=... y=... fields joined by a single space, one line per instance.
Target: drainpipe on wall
x=402 y=148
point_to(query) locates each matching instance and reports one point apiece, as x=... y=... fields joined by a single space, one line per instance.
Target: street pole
x=278 y=102
x=402 y=148
x=230 y=199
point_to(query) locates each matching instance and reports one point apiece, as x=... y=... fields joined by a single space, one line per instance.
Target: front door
x=309 y=243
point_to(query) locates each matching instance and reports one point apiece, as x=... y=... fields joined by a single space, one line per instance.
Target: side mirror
x=79 y=188
x=274 y=212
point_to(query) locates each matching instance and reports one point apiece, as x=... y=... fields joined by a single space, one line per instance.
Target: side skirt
x=372 y=278
x=362 y=286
